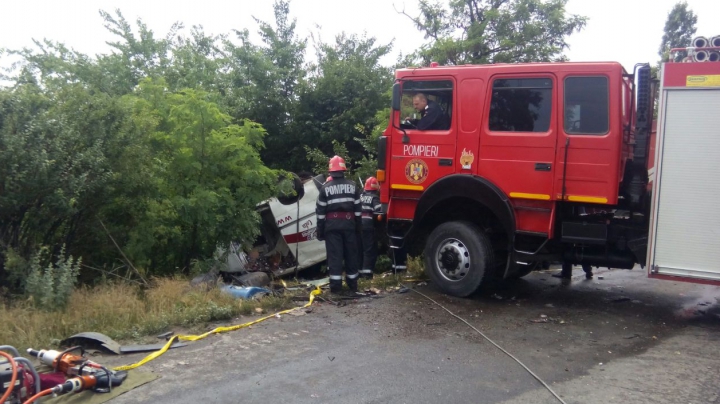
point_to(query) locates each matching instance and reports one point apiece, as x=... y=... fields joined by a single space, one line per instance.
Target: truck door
x=424 y=155
x=517 y=145
x=592 y=132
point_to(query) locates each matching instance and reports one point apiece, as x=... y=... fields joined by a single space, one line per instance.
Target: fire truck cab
x=539 y=162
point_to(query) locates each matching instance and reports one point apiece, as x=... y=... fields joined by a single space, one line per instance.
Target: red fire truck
x=555 y=162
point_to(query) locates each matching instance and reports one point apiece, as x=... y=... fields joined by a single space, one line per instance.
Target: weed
x=122 y=311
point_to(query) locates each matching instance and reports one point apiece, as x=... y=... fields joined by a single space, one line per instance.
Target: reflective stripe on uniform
x=335 y=277
x=321 y=203
x=357 y=201
x=340 y=200
x=321 y=216
x=358 y=213
x=377 y=207
x=366 y=271
x=352 y=276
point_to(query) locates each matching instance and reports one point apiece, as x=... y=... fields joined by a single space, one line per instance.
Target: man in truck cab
x=339 y=213
x=432 y=115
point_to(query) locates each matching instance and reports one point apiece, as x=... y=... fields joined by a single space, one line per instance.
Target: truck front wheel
x=458 y=256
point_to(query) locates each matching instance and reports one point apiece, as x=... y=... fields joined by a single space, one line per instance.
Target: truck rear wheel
x=458 y=256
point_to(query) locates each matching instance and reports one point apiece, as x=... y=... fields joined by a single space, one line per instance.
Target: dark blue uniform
x=338 y=211
x=370 y=207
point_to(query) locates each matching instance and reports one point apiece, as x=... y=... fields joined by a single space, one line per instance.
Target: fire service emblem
x=416 y=171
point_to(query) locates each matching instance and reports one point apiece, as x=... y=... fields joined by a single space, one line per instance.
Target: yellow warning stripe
x=522 y=195
x=407 y=187
x=217 y=330
x=590 y=199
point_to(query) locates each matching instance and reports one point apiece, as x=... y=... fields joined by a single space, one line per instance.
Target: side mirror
x=396 y=97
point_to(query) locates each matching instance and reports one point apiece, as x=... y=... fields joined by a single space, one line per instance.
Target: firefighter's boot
x=566 y=272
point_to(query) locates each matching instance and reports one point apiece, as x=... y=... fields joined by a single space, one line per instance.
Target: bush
x=50 y=288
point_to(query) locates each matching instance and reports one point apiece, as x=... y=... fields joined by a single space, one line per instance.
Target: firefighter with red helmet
x=339 y=213
x=370 y=200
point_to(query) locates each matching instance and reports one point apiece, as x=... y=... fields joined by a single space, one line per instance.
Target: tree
x=346 y=89
x=494 y=31
x=679 y=31
x=208 y=176
x=266 y=79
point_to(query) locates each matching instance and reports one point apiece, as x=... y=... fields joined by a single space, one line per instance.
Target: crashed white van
x=288 y=240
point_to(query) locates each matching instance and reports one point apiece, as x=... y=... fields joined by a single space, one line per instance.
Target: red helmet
x=328 y=179
x=371 y=184
x=337 y=163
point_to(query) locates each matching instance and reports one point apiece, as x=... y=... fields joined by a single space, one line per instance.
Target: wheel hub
x=453 y=260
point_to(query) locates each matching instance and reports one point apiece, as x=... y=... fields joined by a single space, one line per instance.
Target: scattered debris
x=633 y=336
x=245 y=292
x=319 y=282
x=422 y=284
x=374 y=291
x=297 y=313
x=403 y=290
x=128 y=349
x=549 y=305
x=332 y=358
x=165 y=335
x=95 y=340
x=258 y=310
x=89 y=340
x=601 y=277
x=252 y=279
x=496 y=296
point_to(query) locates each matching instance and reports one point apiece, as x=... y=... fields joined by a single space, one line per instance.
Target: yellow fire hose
x=217 y=330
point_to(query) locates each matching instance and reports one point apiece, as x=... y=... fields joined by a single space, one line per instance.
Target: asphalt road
x=620 y=339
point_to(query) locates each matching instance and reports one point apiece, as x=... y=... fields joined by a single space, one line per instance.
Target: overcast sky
x=628 y=31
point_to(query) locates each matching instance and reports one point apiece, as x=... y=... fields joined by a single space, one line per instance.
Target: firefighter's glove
x=321 y=233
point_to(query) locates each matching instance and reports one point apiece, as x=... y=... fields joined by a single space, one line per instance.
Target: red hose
x=13 y=379
x=38 y=395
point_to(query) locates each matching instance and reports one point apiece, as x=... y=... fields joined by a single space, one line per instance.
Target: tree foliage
x=494 y=31
x=680 y=28
x=165 y=144
x=339 y=102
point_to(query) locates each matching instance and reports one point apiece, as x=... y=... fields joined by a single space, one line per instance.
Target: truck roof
x=590 y=67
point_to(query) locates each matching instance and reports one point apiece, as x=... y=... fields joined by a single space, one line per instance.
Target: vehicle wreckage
x=288 y=240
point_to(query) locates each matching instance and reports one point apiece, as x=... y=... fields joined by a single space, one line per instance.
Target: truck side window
x=438 y=98
x=521 y=105
x=586 y=105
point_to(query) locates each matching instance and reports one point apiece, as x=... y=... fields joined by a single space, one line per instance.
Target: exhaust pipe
x=701 y=56
x=714 y=57
x=700 y=42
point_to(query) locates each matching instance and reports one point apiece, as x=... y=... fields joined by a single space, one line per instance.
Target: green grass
x=125 y=312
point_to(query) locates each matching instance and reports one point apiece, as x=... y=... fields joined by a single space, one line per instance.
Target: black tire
x=444 y=262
